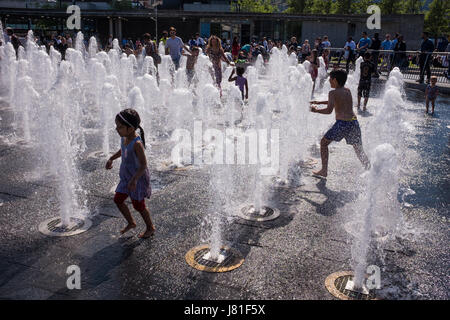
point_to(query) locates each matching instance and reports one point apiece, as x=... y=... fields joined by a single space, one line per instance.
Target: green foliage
x=360 y=6
x=300 y=6
x=413 y=6
x=122 y=4
x=321 y=7
x=342 y=7
x=436 y=19
x=391 y=6
x=258 y=6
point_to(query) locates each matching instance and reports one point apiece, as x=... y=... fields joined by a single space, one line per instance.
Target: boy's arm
x=328 y=109
x=318 y=102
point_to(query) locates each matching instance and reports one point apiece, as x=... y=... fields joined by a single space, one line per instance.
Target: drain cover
x=200 y=259
x=248 y=212
x=340 y=285
x=53 y=227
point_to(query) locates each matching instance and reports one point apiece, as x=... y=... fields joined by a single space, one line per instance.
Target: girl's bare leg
x=427 y=103
x=432 y=106
x=127 y=214
x=148 y=222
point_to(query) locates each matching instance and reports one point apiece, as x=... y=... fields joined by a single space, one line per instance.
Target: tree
x=299 y=6
x=260 y=6
x=360 y=6
x=436 y=20
x=342 y=7
x=391 y=6
x=321 y=6
x=413 y=6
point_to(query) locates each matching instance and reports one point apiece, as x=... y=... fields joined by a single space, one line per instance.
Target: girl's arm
x=113 y=157
x=224 y=58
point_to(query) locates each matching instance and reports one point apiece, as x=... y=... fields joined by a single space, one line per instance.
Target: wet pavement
x=288 y=258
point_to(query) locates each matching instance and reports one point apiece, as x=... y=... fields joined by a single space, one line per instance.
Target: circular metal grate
x=232 y=259
x=248 y=212
x=336 y=284
x=53 y=227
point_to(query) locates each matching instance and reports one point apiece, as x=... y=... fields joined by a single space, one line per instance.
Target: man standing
x=174 y=47
x=11 y=37
x=375 y=46
x=386 y=45
x=363 y=44
x=199 y=42
x=425 y=57
x=164 y=37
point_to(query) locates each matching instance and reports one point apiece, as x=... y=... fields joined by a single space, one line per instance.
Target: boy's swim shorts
x=349 y=130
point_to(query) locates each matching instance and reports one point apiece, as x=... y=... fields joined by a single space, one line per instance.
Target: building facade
x=100 y=18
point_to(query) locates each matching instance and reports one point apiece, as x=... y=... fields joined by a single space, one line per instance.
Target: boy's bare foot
x=322 y=173
x=147 y=234
x=128 y=227
x=364 y=109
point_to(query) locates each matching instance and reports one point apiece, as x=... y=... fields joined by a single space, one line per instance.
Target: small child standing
x=314 y=68
x=190 y=63
x=365 y=80
x=431 y=93
x=134 y=173
x=240 y=81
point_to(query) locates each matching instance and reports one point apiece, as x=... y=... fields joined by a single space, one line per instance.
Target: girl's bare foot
x=128 y=227
x=322 y=173
x=147 y=234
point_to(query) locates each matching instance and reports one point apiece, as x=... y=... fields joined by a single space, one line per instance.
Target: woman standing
x=235 y=48
x=216 y=55
x=306 y=50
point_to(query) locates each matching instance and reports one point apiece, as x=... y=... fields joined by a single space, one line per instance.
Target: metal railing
x=409 y=62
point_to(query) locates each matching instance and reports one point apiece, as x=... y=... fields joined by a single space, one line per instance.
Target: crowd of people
x=134 y=175
x=377 y=55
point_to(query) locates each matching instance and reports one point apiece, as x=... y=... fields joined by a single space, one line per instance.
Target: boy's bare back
x=341 y=100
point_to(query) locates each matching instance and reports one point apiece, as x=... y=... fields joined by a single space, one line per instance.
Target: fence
x=407 y=61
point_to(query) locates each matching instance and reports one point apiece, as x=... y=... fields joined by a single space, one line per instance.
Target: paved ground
x=288 y=258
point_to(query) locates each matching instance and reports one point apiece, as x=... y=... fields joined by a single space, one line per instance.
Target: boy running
x=346 y=125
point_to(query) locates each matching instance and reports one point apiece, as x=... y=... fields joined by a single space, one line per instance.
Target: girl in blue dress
x=134 y=173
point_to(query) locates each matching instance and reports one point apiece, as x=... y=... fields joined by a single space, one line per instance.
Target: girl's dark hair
x=240 y=71
x=132 y=117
